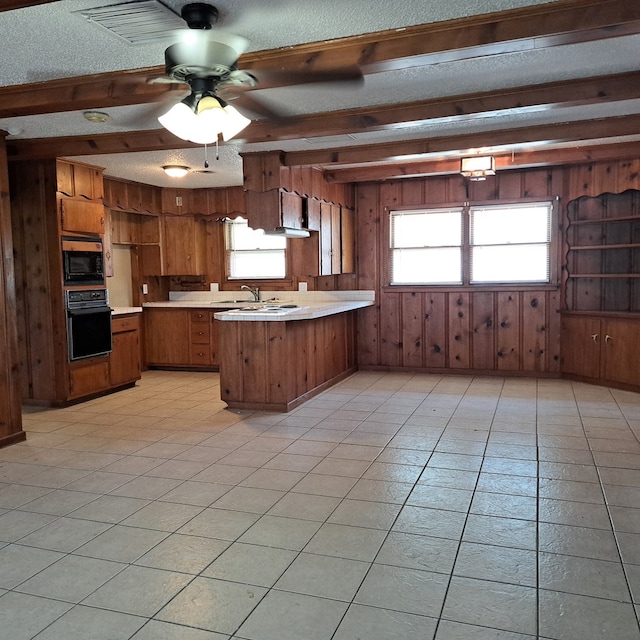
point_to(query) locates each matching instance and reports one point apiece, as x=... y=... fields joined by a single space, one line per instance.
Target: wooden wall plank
x=459 y=343
x=484 y=329
x=508 y=331
x=534 y=331
x=412 y=328
x=435 y=330
x=390 y=330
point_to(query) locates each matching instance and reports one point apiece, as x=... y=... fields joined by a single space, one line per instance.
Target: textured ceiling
x=53 y=41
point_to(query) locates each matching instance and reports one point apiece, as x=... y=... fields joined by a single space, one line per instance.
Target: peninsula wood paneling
x=487 y=330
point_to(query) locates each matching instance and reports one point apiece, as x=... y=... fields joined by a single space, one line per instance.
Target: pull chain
x=206 y=159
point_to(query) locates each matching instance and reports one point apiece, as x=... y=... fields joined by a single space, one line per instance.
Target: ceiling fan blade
x=346 y=76
x=245 y=102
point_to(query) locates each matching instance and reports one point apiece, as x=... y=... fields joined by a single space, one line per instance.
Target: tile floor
x=392 y=506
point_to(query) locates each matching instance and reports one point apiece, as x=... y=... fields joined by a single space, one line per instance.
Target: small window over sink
x=252 y=255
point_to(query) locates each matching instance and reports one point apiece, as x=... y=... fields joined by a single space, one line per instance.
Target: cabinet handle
x=594 y=337
x=608 y=337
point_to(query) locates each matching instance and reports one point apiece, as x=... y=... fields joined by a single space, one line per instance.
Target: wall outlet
x=145 y=289
x=302 y=286
x=213 y=286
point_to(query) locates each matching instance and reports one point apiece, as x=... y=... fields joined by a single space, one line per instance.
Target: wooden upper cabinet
x=79 y=180
x=200 y=201
x=81 y=216
x=291 y=209
x=182 y=250
x=347 y=240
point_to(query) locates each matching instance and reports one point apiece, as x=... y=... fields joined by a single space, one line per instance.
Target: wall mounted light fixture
x=478 y=167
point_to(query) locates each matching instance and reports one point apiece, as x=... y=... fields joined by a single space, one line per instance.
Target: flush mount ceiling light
x=478 y=167
x=176 y=170
x=202 y=116
x=97 y=117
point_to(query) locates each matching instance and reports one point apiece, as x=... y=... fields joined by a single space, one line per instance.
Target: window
x=251 y=254
x=471 y=244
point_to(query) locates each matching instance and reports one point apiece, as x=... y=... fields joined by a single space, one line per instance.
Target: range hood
x=287 y=232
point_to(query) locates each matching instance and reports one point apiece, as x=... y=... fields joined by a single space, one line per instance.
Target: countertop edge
x=308 y=311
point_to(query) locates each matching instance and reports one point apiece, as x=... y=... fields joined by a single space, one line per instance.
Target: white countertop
x=309 y=304
x=119 y=311
x=303 y=312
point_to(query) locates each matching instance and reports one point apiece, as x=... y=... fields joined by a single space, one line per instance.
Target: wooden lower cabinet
x=120 y=368
x=181 y=338
x=601 y=348
x=88 y=377
x=125 y=361
x=275 y=366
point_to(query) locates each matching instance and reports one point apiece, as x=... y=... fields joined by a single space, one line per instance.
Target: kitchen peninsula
x=279 y=353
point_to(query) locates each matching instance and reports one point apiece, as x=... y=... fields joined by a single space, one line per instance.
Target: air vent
x=136 y=22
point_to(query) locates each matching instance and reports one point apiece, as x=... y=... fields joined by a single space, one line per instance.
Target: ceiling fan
x=208 y=63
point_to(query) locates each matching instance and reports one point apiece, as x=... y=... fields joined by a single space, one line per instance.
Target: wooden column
x=10 y=405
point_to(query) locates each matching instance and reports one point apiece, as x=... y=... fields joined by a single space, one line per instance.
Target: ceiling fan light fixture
x=179 y=120
x=234 y=123
x=175 y=170
x=201 y=119
x=97 y=117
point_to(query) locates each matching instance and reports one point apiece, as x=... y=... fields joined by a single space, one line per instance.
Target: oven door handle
x=85 y=310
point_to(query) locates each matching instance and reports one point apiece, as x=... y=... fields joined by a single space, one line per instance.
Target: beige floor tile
x=211 y=604
x=250 y=564
x=186 y=554
x=574 y=617
x=291 y=616
x=403 y=589
x=139 y=591
x=491 y=604
x=432 y=478
x=71 y=578
x=323 y=576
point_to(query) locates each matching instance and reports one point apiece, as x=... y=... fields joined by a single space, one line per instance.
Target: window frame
x=226 y=253
x=467 y=285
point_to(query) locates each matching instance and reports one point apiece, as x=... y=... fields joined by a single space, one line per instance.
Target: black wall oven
x=83 y=261
x=88 y=323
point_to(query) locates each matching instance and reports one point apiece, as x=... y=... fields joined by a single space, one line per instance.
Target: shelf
x=631 y=245
x=604 y=220
x=622 y=276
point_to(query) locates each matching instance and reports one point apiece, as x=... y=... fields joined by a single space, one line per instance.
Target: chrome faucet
x=254 y=292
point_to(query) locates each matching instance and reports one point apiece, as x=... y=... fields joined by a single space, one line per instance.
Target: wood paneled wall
x=10 y=407
x=459 y=329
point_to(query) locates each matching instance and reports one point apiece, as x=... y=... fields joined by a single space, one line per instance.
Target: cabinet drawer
x=200 y=354
x=199 y=316
x=124 y=323
x=200 y=333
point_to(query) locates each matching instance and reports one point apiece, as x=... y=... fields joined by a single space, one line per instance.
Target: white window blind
x=502 y=243
x=251 y=254
x=426 y=246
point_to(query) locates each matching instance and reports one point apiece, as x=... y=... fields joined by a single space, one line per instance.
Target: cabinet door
x=88 y=378
x=214 y=342
x=179 y=245
x=82 y=216
x=619 y=351
x=124 y=365
x=125 y=360
x=347 y=241
x=167 y=336
x=325 y=239
x=580 y=341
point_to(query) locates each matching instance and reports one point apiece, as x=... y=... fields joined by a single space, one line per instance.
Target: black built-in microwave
x=82 y=261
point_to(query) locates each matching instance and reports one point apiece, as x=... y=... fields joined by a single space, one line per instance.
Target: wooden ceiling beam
x=508 y=160
x=529 y=28
x=409 y=150
x=399 y=153
x=586 y=91
x=555 y=95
